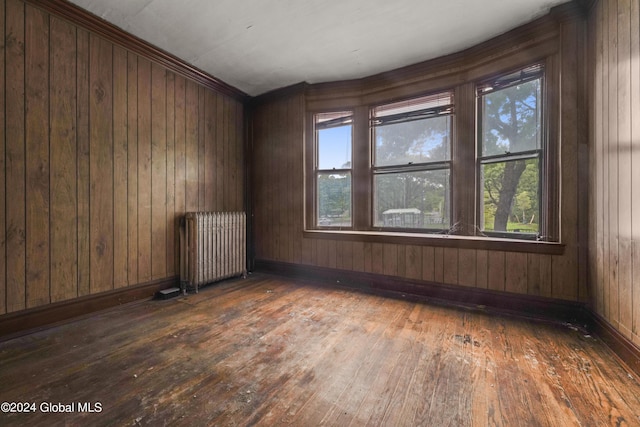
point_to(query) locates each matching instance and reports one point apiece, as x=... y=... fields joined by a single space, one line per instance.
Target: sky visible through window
x=334 y=148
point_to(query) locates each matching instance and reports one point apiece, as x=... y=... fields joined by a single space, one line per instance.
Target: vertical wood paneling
x=347 y=255
x=390 y=259
x=427 y=264
x=367 y=254
x=496 y=270
x=516 y=272
x=401 y=261
x=331 y=253
x=571 y=78
x=158 y=172
x=358 y=256
x=635 y=328
x=209 y=154
x=288 y=222
x=64 y=251
x=101 y=163
x=96 y=156
x=467 y=267
x=339 y=255
x=82 y=173
x=482 y=264
x=450 y=262
x=132 y=167
x=235 y=155
x=634 y=146
x=377 y=258
x=624 y=167
x=596 y=155
x=604 y=113
x=613 y=156
x=172 y=220
x=413 y=267
x=192 y=146
x=15 y=156
x=180 y=171
x=3 y=241
x=545 y=275
x=202 y=205
x=438 y=264
x=533 y=274
x=120 y=170
x=217 y=166
x=37 y=156
x=144 y=170
x=615 y=130
x=180 y=149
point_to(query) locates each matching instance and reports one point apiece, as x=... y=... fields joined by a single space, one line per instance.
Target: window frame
x=447 y=110
x=538 y=153
x=317 y=171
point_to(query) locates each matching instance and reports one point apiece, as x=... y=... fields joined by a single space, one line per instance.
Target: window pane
x=412 y=200
x=511 y=200
x=511 y=120
x=334 y=147
x=418 y=141
x=334 y=199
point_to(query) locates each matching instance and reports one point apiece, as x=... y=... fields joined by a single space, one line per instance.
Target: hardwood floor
x=271 y=351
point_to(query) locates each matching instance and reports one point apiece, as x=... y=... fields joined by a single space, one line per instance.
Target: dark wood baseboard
x=26 y=321
x=493 y=301
x=577 y=314
x=626 y=351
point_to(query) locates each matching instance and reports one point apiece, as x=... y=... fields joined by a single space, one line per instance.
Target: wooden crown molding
x=108 y=31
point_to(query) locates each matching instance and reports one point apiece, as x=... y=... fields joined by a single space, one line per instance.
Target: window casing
x=411 y=167
x=510 y=154
x=467 y=160
x=333 y=154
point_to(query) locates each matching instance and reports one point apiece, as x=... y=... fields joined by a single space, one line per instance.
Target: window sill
x=447 y=241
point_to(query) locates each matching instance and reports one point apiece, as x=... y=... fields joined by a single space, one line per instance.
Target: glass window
x=412 y=162
x=510 y=153
x=333 y=135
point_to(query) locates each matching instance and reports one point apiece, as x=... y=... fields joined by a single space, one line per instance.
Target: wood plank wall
x=614 y=87
x=278 y=203
x=101 y=151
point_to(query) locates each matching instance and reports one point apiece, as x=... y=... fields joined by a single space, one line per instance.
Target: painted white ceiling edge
x=261 y=45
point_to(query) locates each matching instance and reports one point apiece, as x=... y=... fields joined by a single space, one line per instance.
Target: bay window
x=413 y=165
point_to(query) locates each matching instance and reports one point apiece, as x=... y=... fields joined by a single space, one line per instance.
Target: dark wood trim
x=494 y=302
x=440 y=240
x=624 y=349
x=27 y=321
x=99 y=26
x=361 y=180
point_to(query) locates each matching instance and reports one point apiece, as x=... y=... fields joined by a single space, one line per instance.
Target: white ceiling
x=260 y=45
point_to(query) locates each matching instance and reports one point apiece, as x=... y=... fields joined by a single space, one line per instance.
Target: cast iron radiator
x=212 y=248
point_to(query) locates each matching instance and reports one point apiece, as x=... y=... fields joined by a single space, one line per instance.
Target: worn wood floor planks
x=271 y=351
